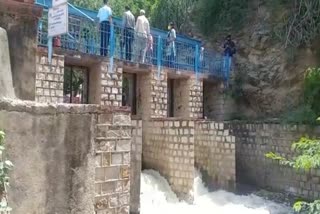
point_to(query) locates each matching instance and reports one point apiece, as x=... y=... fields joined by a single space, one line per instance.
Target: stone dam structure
x=86 y=156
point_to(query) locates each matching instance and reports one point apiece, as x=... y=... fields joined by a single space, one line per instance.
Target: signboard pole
x=57 y=23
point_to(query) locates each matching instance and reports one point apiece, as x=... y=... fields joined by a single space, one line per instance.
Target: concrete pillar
x=20 y=19
x=6 y=86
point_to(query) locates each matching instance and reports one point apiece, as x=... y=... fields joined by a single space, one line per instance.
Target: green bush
x=309 y=110
x=312 y=89
x=5 y=167
x=217 y=15
x=307 y=157
x=301 y=115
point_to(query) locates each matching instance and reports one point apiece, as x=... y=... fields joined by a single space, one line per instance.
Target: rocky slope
x=272 y=75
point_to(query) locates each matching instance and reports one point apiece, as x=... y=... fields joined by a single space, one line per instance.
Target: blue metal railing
x=113 y=41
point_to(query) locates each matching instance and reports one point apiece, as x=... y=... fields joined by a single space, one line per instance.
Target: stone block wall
x=80 y=157
x=112 y=172
x=195 y=98
x=159 y=94
x=181 y=98
x=111 y=85
x=215 y=155
x=144 y=98
x=253 y=141
x=218 y=106
x=168 y=147
x=49 y=79
x=135 y=172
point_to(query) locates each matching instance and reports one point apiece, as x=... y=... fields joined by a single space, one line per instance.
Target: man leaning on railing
x=105 y=20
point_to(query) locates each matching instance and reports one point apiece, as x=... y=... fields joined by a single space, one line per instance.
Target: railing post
x=197 y=60
x=50 y=51
x=159 y=55
x=112 y=47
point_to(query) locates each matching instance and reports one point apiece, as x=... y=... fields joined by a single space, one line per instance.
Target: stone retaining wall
x=215 y=155
x=49 y=79
x=111 y=85
x=195 y=98
x=253 y=141
x=80 y=157
x=135 y=173
x=174 y=147
x=218 y=106
x=112 y=172
x=168 y=147
x=159 y=94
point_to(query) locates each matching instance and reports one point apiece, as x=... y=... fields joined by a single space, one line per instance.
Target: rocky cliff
x=271 y=76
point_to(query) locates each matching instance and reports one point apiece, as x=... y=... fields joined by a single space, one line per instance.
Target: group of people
x=137 y=32
x=135 y=39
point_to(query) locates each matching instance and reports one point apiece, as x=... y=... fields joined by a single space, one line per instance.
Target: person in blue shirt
x=229 y=51
x=105 y=20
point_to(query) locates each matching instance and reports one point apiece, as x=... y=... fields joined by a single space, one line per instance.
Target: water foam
x=158 y=198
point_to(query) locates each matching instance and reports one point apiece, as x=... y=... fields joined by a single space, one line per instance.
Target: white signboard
x=58 y=2
x=58 y=20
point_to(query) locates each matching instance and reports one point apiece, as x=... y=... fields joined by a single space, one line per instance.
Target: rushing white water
x=158 y=198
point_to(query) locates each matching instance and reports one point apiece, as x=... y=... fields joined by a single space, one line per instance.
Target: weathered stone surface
x=114 y=145
x=39 y=141
x=163 y=150
x=21 y=19
x=6 y=85
x=215 y=156
x=253 y=141
x=49 y=78
x=136 y=165
x=64 y=135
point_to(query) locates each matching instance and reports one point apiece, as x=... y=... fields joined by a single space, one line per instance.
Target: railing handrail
x=84 y=37
x=118 y=20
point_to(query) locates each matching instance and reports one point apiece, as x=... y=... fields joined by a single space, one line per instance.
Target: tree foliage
x=296 y=22
x=5 y=167
x=159 y=12
x=117 y=6
x=177 y=11
x=312 y=89
x=309 y=109
x=308 y=154
x=307 y=157
x=216 y=15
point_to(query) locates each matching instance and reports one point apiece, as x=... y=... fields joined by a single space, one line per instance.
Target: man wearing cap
x=105 y=19
x=128 y=22
x=142 y=32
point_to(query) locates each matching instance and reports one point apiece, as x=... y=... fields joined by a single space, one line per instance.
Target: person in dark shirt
x=128 y=24
x=229 y=51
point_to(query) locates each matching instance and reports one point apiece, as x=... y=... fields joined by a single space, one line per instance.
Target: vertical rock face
x=6 y=86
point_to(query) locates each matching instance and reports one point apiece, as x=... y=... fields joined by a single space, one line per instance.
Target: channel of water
x=158 y=198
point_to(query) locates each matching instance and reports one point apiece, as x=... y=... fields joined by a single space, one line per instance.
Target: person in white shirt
x=142 y=32
x=171 y=45
x=105 y=20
